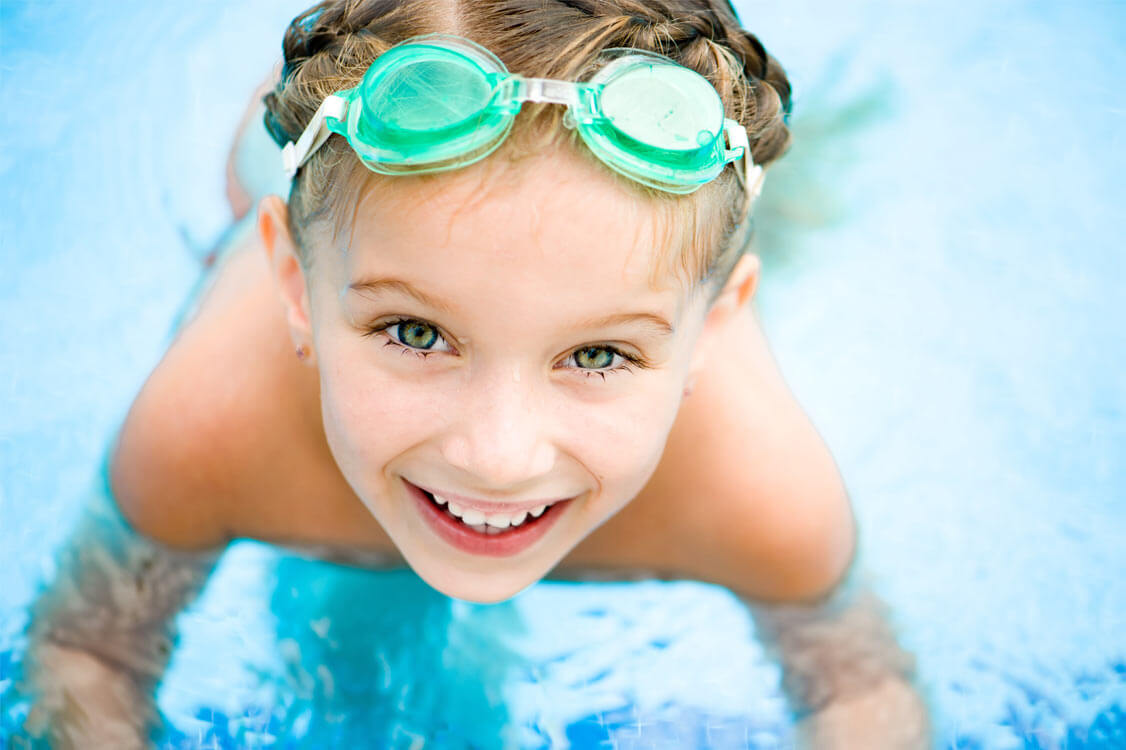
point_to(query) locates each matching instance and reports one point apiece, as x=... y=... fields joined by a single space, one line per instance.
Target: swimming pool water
x=942 y=288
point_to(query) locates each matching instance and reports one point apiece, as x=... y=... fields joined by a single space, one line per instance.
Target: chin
x=483 y=588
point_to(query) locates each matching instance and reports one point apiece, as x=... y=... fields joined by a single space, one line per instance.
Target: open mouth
x=495 y=534
x=491 y=525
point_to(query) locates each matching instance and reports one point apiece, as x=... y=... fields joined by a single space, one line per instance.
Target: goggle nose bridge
x=580 y=99
x=545 y=90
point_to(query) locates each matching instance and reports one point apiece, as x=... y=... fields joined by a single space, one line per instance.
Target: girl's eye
x=413 y=335
x=594 y=358
x=599 y=360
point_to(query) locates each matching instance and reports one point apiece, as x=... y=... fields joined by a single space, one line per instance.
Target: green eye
x=416 y=334
x=594 y=358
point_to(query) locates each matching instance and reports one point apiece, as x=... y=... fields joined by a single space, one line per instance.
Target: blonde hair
x=330 y=46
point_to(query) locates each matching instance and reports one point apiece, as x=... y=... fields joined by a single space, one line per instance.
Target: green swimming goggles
x=440 y=102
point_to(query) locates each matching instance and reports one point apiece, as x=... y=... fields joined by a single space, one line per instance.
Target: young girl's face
x=496 y=342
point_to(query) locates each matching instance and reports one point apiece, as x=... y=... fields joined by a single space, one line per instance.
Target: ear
x=740 y=287
x=734 y=296
x=289 y=276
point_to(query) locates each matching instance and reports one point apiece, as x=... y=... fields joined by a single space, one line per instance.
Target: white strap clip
x=294 y=155
x=752 y=174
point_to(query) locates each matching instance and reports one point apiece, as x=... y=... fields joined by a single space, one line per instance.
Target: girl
x=499 y=330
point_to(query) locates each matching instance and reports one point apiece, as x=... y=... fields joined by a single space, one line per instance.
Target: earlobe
x=289 y=276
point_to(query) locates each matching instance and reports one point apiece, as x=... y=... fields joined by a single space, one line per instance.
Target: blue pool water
x=943 y=289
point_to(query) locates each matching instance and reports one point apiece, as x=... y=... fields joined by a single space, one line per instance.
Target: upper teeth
x=496 y=520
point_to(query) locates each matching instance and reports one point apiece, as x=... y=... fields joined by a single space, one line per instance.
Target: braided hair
x=330 y=46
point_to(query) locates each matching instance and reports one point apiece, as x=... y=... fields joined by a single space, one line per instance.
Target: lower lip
x=508 y=542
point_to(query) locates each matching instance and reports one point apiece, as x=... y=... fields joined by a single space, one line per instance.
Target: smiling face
x=491 y=345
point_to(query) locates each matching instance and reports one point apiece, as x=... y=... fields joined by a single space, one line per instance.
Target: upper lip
x=485 y=506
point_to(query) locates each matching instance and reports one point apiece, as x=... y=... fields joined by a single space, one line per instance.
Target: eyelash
x=403 y=348
x=630 y=362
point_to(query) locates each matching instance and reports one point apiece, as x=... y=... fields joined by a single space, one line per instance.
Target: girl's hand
x=101 y=633
x=82 y=702
x=842 y=661
x=890 y=716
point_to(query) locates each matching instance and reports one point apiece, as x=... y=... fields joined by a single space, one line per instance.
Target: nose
x=499 y=434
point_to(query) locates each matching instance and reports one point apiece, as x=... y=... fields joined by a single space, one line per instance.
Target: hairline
x=669 y=264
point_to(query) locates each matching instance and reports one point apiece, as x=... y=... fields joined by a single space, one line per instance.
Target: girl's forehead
x=549 y=217
x=538 y=248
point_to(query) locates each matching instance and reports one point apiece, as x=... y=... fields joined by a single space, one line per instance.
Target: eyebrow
x=658 y=324
x=378 y=286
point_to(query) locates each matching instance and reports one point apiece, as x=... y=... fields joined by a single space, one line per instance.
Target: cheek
x=621 y=442
x=372 y=415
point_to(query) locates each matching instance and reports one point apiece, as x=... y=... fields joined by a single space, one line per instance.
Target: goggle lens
x=663 y=107
x=426 y=96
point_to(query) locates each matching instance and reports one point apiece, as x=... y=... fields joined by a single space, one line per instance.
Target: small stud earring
x=302 y=352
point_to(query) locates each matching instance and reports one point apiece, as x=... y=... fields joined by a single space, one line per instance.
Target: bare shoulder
x=193 y=437
x=747 y=494
x=764 y=498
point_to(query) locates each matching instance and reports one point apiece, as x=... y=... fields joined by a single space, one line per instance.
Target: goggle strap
x=751 y=175
x=294 y=155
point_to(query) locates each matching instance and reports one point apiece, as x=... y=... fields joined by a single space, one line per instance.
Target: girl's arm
x=777 y=528
x=847 y=679
x=101 y=634
x=748 y=496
